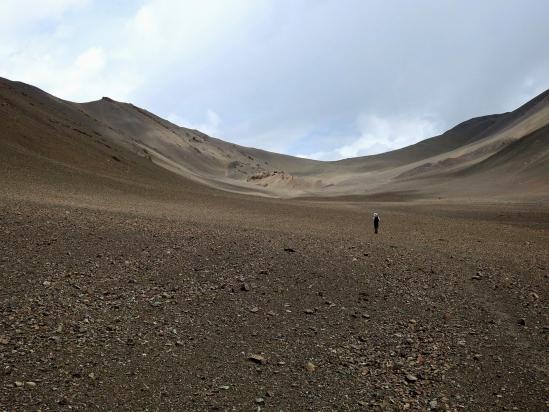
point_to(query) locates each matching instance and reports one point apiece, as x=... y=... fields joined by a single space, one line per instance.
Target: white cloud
x=82 y=75
x=317 y=156
x=87 y=77
x=32 y=10
x=17 y=16
x=90 y=61
x=276 y=139
x=181 y=30
x=25 y=26
x=381 y=134
x=45 y=43
x=211 y=126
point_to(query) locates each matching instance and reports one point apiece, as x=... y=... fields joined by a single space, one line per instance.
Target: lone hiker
x=376 y=222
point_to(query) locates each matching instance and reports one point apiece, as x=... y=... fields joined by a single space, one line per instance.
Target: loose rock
x=310 y=366
x=411 y=378
x=257 y=359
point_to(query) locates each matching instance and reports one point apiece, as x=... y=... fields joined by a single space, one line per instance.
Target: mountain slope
x=49 y=145
x=120 y=144
x=524 y=162
x=185 y=151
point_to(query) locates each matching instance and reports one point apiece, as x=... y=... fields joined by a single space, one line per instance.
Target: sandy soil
x=241 y=303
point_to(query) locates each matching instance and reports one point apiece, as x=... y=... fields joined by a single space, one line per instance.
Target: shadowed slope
x=49 y=145
x=527 y=155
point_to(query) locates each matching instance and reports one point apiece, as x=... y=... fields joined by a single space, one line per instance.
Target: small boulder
x=411 y=378
x=257 y=359
x=310 y=366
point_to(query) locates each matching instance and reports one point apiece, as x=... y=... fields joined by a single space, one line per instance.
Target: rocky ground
x=274 y=305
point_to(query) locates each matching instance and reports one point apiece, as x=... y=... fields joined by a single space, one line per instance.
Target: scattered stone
x=260 y=401
x=411 y=378
x=433 y=405
x=310 y=366
x=245 y=287
x=46 y=283
x=19 y=384
x=522 y=321
x=4 y=340
x=31 y=384
x=309 y=311
x=257 y=359
x=255 y=309
x=289 y=250
x=224 y=387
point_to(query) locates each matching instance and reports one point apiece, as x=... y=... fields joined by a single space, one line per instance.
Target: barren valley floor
x=240 y=303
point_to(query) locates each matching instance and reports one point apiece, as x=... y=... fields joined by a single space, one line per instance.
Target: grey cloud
x=298 y=76
x=302 y=65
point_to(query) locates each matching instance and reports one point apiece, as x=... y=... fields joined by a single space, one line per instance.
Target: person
x=376 y=222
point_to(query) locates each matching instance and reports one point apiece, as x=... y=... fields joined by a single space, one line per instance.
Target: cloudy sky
x=324 y=79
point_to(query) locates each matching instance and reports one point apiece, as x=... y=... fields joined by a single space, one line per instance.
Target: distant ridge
x=44 y=138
